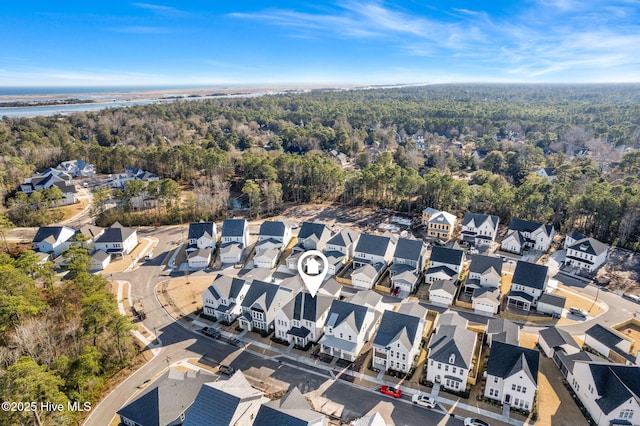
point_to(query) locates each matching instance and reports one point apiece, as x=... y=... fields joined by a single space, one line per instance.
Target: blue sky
x=102 y=43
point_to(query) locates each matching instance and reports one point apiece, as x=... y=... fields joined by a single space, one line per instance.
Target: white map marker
x=313 y=267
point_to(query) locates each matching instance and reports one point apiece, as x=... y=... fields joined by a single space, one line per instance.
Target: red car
x=394 y=392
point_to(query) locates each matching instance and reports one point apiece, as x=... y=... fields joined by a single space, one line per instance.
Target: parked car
x=235 y=342
x=396 y=291
x=578 y=312
x=424 y=399
x=149 y=256
x=226 y=369
x=388 y=390
x=470 y=421
x=211 y=332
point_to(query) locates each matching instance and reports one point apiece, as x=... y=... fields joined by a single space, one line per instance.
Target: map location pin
x=313 y=267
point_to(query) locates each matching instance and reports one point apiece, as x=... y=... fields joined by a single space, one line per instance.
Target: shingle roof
x=116 y=233
x=305 y=307
x=523 y=225
x=373 y=244
x=263 y=293
x=443 y=218
x=448 y=286
x=615 y=384
x=590 y=246
x=481 y=263
x=165 y=399
x=270 y=228
x=344 y=238
x=409 y=249
x=45 y=232
x=478 y=219
x=452 y=340
x=198 y=229
x=506 y=360
x=530 y=275
x=555 y=337
x=233 y=227
x=553 y=300
x=503 y=331
x=604 y=335
x=445 y=269
x=396 y=325
x=290 y=410
x=576 y=235
x=341 y=311
x=227 y=287
x=312 y=228
x=446 y=255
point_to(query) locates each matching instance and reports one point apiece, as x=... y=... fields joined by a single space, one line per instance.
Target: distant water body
x=59 y=90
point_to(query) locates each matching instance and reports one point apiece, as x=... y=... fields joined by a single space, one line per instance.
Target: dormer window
x=452 y=359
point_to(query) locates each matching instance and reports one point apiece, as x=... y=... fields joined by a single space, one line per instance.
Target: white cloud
x=162 y=10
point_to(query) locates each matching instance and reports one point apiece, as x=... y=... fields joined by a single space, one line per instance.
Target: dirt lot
x=622 y=271
x=184 y=293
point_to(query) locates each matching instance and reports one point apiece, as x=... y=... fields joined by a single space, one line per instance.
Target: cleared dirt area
x=184 y=293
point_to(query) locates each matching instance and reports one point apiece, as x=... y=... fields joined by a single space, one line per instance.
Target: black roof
x=530 y=275
x=393 y=323
x=312 y=228
x=523 y=225
x=373 y=244
x=272 y=228
x=116 y=233
x=233 y=227
x=446 y=255
x=45 y=232
x=589 y=246
x=604 y=335
x=576 y=235
x=553 y=300
x=340 y=310
x=198 y=229
x=259 y=288
x=479 y=219
x=555 y=337
x=409 y=249
x=480 y=263
x=615 y=383
x=506 y=360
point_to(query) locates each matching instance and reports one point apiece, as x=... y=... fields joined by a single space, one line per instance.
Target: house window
x=446 y=368
x=513 y=387
x=453 y=370
x=626 y=414
x=524 y=389
x=495 y=380
x=439 y=366
x=341 y=335
x=431 y=362
x=519 y=388
x=452 y=359
x=404 y=357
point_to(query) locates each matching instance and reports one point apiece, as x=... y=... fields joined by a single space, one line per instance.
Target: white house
x=260 y=305
x=486 y=300
x=276 y=233
x=588 y=254
x=292 y=409
x=405 y=282
x=484 y=272
x=117 y=239
x=553 y=340
x=479 y=229
x=398 y=339
x=372 y=249
x=609 y=343
x=347 y=328
x=118 y=180
x=202 y=235
x=41 y=182
x=366 y=276
x=409 y=255
x=52 y=239
x=343 y=242
x=199 y=258
x=100 y=260
x=231 y=252
x=266 y=258
x=312 y=236
x=443 y=292
x=235 y=231
x=551 y=304
x=444 y=263
x=77 y=168
x=512 y=375
x=526 y=234
x=609 y=392
x=573 y=237
x=451 y=350
x=223 y=298
x=527 y=286
x=301 y=320
x=547 y=173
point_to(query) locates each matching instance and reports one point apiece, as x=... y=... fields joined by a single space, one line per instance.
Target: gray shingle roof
x=198 y=229
x=555 y=337
x=227 y=287
x=45 y=232
x=344 y=238
x=409 y=249
x=311 y=228
x=530 y=275
x=341 y=310
x=615 y=384
x=373 y=244
x=263 y=292
x=604 y=335
x=527 y=226
x=503 y=331
x=270 y=228
x=446 y=255
x=452 y=340
x=478 y=219
x=290 y=410
x=506 y=360
x=393 y=324
x=590 y=246
x=576 y=235
x=116 y=233
x=305 y=307
x=553 y=300
x=481 y=263
x=233 y=227
x=448 y=286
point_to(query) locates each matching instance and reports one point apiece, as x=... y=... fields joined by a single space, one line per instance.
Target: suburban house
x=340 y=249
x=69 y=193
x=405 y=282
x=118 y=180
x=547 y=173
x=573 y=237
x=312 y=236
x=427 y=214
x=199 y=258
x=166 y=400
x=202 y=235
x=451 y=351
x=292 y=410
x=479 y=229
x=260 y=305
x=398 y=339
x=553 y=340
x=226 y=402
x=41 y=182
x=551 y=304
x=90 y=232
x=610 y=344
x=442 y=292
x=441 y=225
x=502 y=330
x=223 y=298
x=52 y=239
x=609 y=392
x=445 y=263
x=512 y=375
x=231 y=252
x=486 y=300
x=525 y=234
x=348 y=327
x=273 y=235
x=267 y=258
x=409 y=255
x=588 y=254
x=100 y=260
x=117 y=239
x=235 y=231
x=372 y=249
x=365 y=276
x=528 y=285
x=301 y=320
x=77 y=168
x=484 y=272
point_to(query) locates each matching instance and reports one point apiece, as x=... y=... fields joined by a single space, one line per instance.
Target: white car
x=424 y=399
x=469 y=421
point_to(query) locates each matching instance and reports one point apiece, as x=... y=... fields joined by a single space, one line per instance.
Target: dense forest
x=478 y=147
